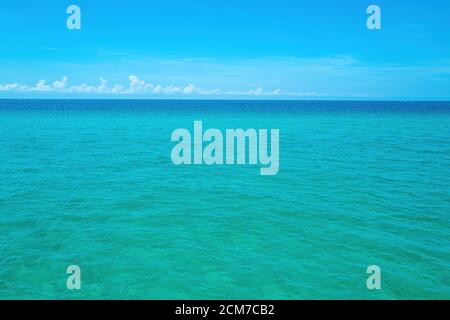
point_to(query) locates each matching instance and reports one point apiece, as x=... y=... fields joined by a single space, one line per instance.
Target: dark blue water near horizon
x=227 y=105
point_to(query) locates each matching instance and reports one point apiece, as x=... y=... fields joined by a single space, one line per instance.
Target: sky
x=233 y=49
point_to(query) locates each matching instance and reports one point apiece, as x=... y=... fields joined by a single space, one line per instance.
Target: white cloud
x=12 y=87
x=117 y=89
x=276 y=92
x=60 y=84
x=158 y=89
x=135 y=86
x=257 y=92
x=189 y=89
x=42 y=86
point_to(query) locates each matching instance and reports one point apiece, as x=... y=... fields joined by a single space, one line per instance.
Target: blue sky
x=225 y=49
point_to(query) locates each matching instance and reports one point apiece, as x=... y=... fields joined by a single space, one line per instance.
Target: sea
x=91 y=183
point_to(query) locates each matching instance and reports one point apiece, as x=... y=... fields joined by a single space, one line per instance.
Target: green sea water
x=91 y=183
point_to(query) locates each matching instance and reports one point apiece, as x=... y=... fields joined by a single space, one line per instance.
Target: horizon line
x=225 y=99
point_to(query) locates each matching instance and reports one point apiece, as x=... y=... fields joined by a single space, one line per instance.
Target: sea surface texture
x=91 y=183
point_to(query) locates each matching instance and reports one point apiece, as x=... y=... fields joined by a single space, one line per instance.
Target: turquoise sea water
x=91 y=183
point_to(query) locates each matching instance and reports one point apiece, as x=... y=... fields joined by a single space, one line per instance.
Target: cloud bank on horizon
x=136 y=86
